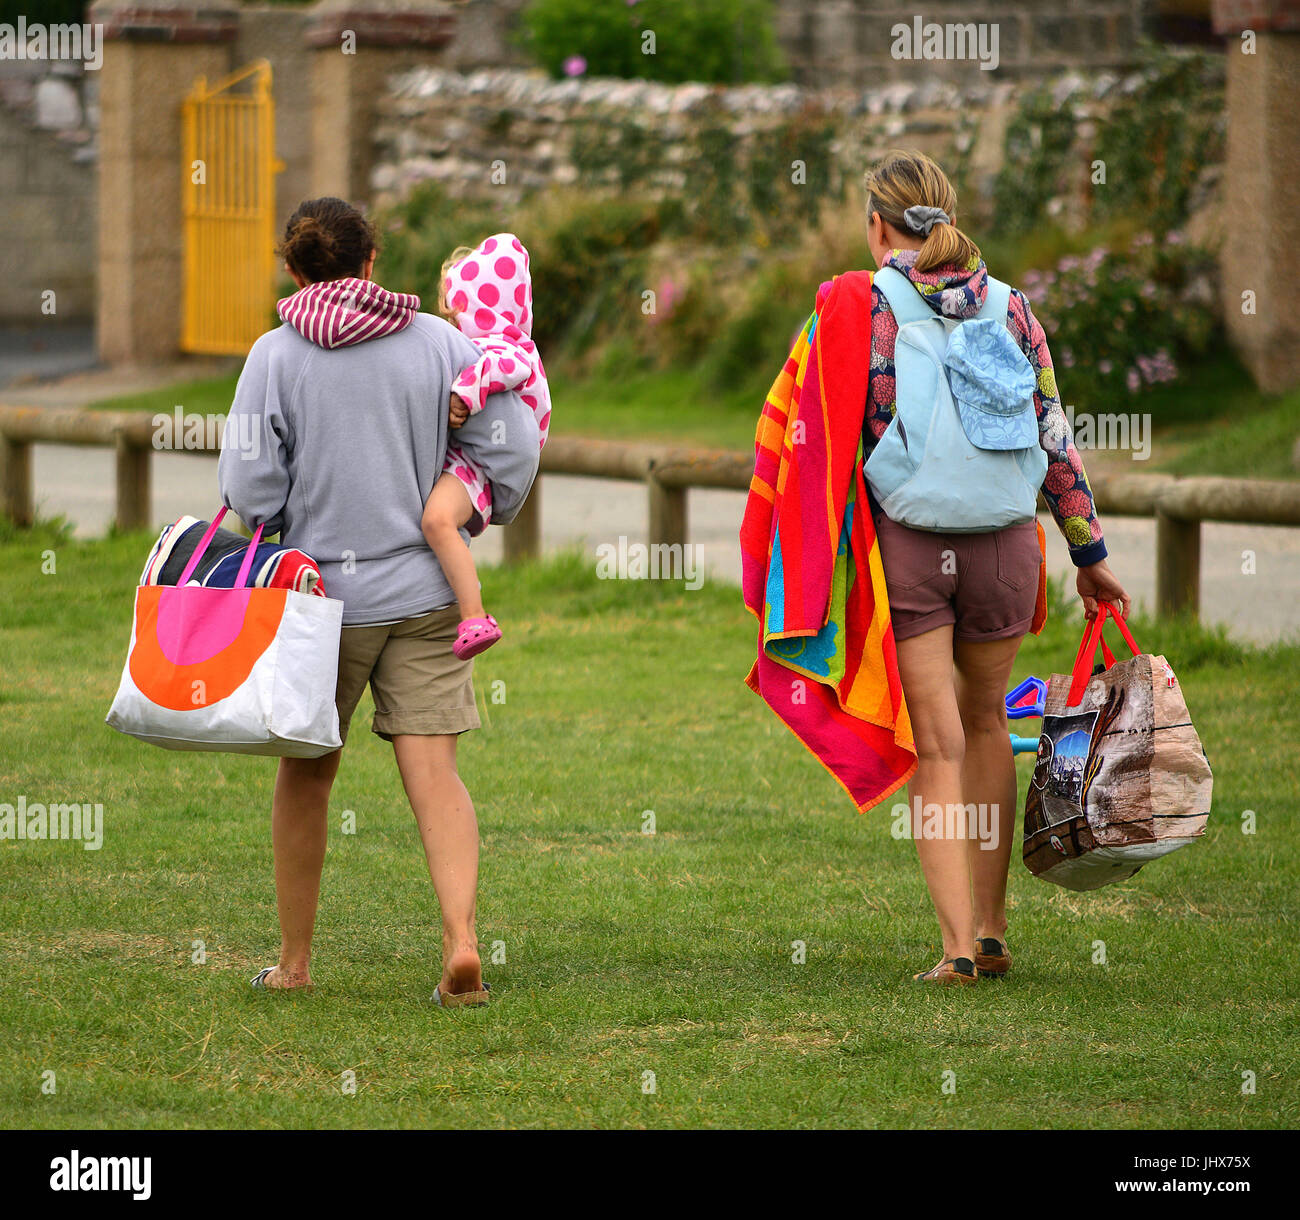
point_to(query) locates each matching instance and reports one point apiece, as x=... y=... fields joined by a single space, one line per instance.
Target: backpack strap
x=997 y=302
x=903 y=298
x=909 y=306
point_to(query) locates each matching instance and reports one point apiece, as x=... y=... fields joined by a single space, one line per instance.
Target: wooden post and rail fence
x=1178 y=505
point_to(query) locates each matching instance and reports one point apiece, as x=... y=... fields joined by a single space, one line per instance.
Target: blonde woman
x=962 y=602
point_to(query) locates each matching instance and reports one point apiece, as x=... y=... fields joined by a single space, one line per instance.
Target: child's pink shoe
x=476 y=635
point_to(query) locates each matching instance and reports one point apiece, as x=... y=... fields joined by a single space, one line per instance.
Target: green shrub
x=1158 y=139
x=752 y=341
x=422 y=231
x=589 y=259
x=1154 y=138
x=589 y=253
x=1121 y=321
x=715 y=41
x=1038 y=146
x=769 y=188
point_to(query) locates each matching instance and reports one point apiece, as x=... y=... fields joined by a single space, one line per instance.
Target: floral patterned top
x=959 y=292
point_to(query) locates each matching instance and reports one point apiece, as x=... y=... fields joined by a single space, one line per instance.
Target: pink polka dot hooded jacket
x=959 y=292
x=491 y=291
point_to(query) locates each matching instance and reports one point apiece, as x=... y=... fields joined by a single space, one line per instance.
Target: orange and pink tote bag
x=242 y=670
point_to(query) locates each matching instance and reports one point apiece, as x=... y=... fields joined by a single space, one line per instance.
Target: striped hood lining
x=341 y=313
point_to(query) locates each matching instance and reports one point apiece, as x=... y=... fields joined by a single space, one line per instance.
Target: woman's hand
x=459 y=411
x=1098 y=583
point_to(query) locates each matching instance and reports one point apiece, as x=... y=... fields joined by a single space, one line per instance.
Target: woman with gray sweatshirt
x=337 y=433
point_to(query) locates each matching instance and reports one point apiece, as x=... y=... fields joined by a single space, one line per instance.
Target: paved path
x=23 y=384
x=78 y=483
x=33 y=352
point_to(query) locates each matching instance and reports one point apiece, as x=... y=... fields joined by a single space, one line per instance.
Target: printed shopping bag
x=243 y=670
x=1121 y=776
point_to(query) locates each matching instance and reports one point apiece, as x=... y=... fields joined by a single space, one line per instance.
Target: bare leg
x=299 y=811
x=447 y=509
x=925 y=665
x=988 y=773
x=449 y=830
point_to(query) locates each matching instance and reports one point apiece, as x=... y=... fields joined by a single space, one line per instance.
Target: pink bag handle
x=1092 y=636
x=244 y=568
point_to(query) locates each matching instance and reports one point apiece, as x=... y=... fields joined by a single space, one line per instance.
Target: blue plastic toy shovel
x=1026 y=700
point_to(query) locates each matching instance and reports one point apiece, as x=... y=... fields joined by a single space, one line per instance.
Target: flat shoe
x=992 y=957
x=258 y=982
x=464 y=999
x=952 y=971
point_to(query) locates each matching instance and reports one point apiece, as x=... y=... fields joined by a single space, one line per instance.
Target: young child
x=488 y=294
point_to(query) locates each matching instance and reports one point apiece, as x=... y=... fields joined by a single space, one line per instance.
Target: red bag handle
x=244 y=568
x=1092 y=636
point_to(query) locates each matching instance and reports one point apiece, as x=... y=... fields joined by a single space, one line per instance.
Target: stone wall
x=48 y=114
x=504 y=133
x=841 y=42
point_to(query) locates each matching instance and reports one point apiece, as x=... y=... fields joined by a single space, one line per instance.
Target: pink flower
x=575 y=65
x=1133 y=381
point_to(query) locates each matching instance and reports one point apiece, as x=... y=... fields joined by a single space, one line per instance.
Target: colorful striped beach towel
x=812 y=574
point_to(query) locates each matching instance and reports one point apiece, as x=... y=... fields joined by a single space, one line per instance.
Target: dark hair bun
x=327 y=239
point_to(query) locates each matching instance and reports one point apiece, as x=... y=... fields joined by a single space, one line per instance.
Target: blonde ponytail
x=908 y=179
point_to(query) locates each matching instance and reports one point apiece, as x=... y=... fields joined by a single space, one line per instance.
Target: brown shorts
x=985 y=585
x=420 y=686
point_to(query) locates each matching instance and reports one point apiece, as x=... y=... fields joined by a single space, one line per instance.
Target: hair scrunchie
x=921 y=219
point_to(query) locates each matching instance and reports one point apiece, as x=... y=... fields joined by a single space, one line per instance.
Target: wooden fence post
x=523 y=536
x=1178 y=565
x=133 y=484
x=667 y=512
x=16 y=460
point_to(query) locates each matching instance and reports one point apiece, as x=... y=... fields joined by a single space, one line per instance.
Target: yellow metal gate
x=229 y=170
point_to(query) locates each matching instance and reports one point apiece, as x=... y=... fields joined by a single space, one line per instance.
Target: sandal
x=258 y=982
x=464 y=999
x=992 y=957
x=476 y=634
x=952 y=970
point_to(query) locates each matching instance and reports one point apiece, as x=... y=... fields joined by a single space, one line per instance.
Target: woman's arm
x=253 y=470
x=1065 y=488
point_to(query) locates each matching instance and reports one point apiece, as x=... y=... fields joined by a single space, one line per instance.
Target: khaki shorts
x=420 y=686
x=984 y=585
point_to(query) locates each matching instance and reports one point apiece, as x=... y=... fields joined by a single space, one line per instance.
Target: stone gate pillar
x=357 y=45
x=153 y=50
x=1261 y=185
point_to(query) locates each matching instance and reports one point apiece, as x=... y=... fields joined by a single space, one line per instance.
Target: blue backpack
x=961 y=454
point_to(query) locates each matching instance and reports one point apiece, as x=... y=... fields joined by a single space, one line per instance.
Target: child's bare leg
x=447 y=509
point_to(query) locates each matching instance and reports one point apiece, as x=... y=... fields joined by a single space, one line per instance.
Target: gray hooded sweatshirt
x=336 y=448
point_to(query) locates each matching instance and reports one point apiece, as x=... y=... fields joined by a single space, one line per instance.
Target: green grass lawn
x=206 y=396
x=624 y=953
